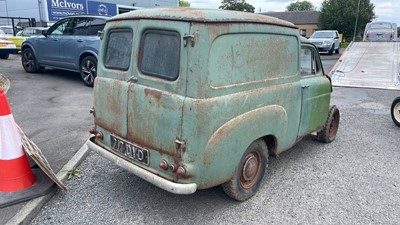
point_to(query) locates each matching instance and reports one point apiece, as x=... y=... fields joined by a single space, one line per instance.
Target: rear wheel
x=5 y=56
x=328 y=132
x=395 y=111
x=29 y=61
x=88 y=70
x=249 y=173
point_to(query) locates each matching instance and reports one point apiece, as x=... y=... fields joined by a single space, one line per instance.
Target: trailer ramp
x=368 y=65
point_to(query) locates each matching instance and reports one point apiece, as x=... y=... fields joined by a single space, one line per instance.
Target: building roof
x=296 y=17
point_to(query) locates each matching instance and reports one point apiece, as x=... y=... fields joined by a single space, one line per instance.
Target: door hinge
x=180 y=145
x=188 y=38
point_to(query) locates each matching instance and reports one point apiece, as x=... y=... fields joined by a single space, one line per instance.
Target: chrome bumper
x=144 y=174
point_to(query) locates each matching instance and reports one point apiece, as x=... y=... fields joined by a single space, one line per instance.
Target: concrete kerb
x=33 y=207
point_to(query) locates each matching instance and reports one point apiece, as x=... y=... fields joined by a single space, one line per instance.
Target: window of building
x=303 y=32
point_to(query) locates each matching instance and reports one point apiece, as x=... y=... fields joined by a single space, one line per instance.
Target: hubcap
x=333 y=126
x=250 y=170
x=28 y=60
x=88 y=71
x=396 y=112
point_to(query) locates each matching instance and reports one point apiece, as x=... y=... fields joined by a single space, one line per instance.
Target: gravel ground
x=353 y=180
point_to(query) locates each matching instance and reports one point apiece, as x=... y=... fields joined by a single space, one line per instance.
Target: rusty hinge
x=180 y=145
x=187 y=38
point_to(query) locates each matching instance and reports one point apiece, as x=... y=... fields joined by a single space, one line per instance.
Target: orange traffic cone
x=15 y=172
x=18 y=182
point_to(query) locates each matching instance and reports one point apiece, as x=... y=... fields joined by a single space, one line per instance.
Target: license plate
x=129 y=151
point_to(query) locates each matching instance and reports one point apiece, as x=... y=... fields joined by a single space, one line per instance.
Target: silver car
x=380 y=31
x=326 y=41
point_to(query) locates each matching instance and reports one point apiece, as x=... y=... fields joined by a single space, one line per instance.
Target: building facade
x=306 y=21
x=46 y=12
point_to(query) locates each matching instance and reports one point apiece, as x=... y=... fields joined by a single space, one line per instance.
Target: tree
x=237 y=5
x=300 y=6
x=341 y=15
x=183 y=3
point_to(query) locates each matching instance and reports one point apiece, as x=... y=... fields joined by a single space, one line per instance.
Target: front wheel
x=328 y=132
x=88 y=70
x=331 y=50
x=29 y=61
x=395 y=111
x=249 y=173
x=337 y=51
x=5 y=56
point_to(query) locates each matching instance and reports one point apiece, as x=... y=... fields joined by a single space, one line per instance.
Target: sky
x=385 y=10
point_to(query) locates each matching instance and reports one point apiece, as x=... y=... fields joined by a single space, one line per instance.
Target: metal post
x=40 y=12
x=355 y=26
x=5 y=1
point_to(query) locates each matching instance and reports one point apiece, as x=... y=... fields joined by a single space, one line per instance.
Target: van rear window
x=160 y=54
x=118 y=50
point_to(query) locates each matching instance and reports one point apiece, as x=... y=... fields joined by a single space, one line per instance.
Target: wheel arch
x=27 y=45
x=86 y=53
x=227 y=145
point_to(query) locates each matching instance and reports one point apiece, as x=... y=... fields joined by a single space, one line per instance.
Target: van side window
x=119 y=49
x=160 y=54
x=308 y=64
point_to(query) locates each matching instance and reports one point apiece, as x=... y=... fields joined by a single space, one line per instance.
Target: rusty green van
x=188 y=99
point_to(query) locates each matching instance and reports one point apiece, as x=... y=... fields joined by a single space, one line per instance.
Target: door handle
x=132 y=79
x=55 y=39
x=305 y=86
x=80 y=40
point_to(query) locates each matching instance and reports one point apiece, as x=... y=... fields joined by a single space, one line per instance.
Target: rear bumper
x=5 y=51
x=144 y=174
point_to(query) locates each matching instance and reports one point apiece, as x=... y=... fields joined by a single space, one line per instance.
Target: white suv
x=326 y=40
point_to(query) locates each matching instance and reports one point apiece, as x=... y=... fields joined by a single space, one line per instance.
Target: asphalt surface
x=52 y=108
x=353 y=180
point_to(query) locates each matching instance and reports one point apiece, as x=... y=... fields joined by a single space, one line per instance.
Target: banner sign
x=101 y=8
x=61 y=8
x=58 y=9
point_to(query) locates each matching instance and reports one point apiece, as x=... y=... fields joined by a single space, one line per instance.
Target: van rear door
x=157 y=91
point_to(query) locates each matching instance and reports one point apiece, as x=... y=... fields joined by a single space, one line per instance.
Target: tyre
x=395 y=111
x=337 y=51
x=29 y=61
x=5 y=56
x=88 y=70
x=328 y=132
x=331 y=50
x=249 y=173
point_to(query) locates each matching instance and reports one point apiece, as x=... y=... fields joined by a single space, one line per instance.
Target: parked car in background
x=380 y=31
x=326 y=41
x=70 y=44
x=24 y=34
x=8 y=30
x=6 y=47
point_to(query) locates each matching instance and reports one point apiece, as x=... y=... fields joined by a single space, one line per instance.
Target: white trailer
x=368 y=65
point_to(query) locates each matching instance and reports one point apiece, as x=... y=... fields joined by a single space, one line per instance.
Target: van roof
x=201 y=15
